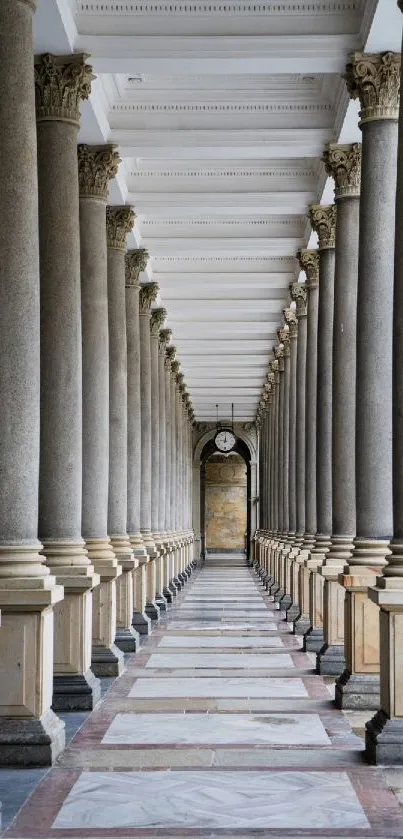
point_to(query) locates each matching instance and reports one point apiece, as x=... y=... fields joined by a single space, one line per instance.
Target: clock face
x=225 y=441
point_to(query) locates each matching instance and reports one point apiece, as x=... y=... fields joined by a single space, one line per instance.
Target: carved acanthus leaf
x=61 y=82
x=148 y=295
x=290 y=317
x=323 y=221
x=374 y=79
x=136 y=262
x=343 y=164
x=299 y=294
x=119 y=222
x=158 y=317
x=308 y=259
x=283 y=336
x=164 y=339
x=96 y=166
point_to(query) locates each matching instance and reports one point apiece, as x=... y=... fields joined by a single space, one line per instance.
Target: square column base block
x=292 y=612
x=301 y=625
x=176 y=581
x=330 y=660
x=76 y=692
x=174 y=588
x=183 y=578
x=127 y=639
x=107 y=661
x=152 y=611
x=31 y=742
x=285 y=602
x=161 y=602
x=169 y=595
x=141 y=623
x=384 y=740
x=313 y=640
x=358 y=691
x=279 y=595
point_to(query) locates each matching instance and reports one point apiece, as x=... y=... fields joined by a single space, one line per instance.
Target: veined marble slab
x=219 y=799
x=219 y=687
x=209 y=625
x=213 y=729
x=223 y=607
x=240 y=642
x=212 y=660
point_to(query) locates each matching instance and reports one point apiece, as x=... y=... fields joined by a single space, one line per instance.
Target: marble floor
x=219 y=727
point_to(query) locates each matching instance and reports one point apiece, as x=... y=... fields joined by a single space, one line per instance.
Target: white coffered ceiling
x=221 y=111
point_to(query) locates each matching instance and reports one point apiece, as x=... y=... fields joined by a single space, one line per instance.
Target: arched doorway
x=225 y=494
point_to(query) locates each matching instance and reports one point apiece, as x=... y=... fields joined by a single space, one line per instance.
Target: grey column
x=292 y=322
x=277 y=589
x=136 y=263
x=384 y=734
x=119 y=222
x=60 y=84
x=19 y=416
x=165 y=337
x=96 y=165
x=148 y=294
x=157 y=319
x=284 y=338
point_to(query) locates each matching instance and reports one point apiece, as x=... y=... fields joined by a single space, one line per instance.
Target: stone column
x=157 y=319
x=274 y=479
x=284 y=338
x=309 y=262
x=175 y=472
x=375 y=80
x=136 y=262
x=119 y=222
x=29 y=731
x=299 y=296
x=171 y=473
x=163 y=338
x=96 y=165
x=384 y=734
x=343 y=163
x=148 y=294
x=60 y=84
x=278 y=589
x=167 y=592
x=323 y=221
x=291 y=320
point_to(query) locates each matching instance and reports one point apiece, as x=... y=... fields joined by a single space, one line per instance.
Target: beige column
x=60 y=84
x=291 y=320
x=148 y=295
x=136 y=262
x=171 y=472
x=119 y=222
x=96 y=166
x=29 y=731
x=375 y=80
x=157 y=319
x=165 y=337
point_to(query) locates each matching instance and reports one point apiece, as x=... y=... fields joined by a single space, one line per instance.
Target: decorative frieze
x=158 y=317
x=136 y=262
x=323 y=222
x=299 y=294
x=374 y=79
x=343 y=164
x=119 y=222
x=97 y=165
x=61 y=82
x=148 y=295
x=308 y=259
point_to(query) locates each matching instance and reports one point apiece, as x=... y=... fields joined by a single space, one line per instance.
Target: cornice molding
x=286 y=7
x=220 y=108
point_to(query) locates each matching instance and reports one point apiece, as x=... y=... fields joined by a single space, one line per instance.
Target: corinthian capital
x=299 y=295
x=97 y=165
x=61 y=82
x=164 y=339
x=290 y=317
x=308 y=259
x=136 y=262
x=148 y=295
x=343 y=164
x=323 y=221
x=157 y=320
x=283 y=336
x=170 y=356
x=374 y=79
x=119 y=222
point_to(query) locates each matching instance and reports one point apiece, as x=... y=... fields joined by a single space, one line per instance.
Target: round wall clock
x=225 y=440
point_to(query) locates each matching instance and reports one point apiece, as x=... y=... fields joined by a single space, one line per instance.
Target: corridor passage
x=218 y=727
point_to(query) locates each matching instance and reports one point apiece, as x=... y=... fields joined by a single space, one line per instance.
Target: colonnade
x=330 y=542
x=96 y=424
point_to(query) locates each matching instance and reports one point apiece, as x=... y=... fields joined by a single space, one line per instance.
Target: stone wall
x=226 y=497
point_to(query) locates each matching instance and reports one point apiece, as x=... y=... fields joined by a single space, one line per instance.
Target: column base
x=107 y=661
x=127 y=639
x=161 y=602
x=141 y=623
x=177 y=582
x=292 y=613
x=384 y=740
x=76 y=692
x=285 y=602
x=174 y=588
x=358 y=691
x=280 y=593
x=301 y=625
x=31 y=742
x=152 y=610
x=330 y=660
x=313 y=640
x=169 y=595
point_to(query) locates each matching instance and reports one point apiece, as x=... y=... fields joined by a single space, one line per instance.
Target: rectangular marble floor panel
x=217 y=729
x=241 y=642
x=205 y=799
x=220 y=688
x=207 y=626
x=244 y=661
